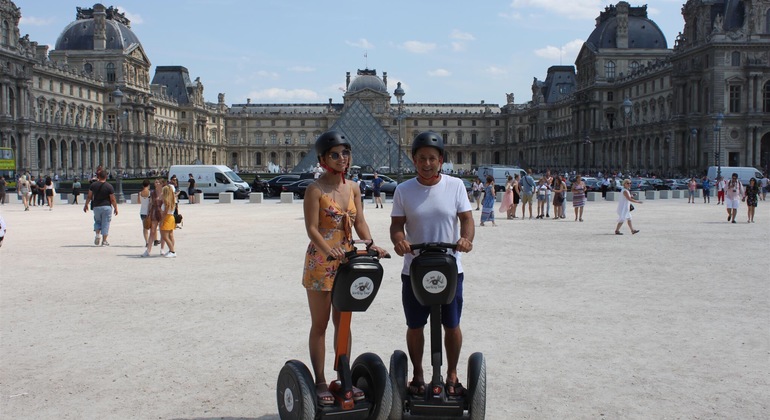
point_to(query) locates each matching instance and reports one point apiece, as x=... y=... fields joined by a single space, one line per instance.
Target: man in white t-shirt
x=431 y=208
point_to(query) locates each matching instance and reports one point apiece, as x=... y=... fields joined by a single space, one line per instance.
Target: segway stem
x=435 y=343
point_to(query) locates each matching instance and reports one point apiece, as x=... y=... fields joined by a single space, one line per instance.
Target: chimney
x=100 y=28
x=621 y=40
x=347 y=80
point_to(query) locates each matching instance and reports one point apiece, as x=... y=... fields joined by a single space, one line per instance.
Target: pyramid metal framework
x=369 y=142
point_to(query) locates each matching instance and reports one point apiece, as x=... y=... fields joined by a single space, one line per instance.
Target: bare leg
x=320 y=310
x=415 y=343
x=453 y=341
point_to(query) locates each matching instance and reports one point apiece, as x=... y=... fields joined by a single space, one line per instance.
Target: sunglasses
x=336 y=156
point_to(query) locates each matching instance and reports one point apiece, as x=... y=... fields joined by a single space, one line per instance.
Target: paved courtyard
x=574 y=321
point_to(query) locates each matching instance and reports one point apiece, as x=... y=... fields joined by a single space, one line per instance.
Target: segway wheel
x=296 y=392
x=398 y=376
x=477 y=386
x=369 y=374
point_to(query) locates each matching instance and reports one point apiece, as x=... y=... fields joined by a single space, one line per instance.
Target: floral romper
x=336 y=227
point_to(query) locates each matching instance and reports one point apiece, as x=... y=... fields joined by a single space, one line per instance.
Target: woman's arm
x=310 y=209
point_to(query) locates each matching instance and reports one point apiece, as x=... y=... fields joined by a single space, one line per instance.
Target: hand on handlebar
x=403 y=248
x=464 y=245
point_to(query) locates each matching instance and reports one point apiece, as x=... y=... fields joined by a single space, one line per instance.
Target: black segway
x=433 y=275
x=355 y=286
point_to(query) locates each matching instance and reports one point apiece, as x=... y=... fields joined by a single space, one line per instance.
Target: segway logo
x=362 y=288
x=434 y=282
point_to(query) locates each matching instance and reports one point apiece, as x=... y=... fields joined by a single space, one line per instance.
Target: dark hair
x=490 y=178
x=146 y=183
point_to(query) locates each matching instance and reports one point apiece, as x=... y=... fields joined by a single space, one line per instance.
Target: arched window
x=6 y=33
x=258 y=159
x=459 y=158
x=609 y=70
x=110 y=72
x=633 y=67
x=766 y=98
x=735 y=59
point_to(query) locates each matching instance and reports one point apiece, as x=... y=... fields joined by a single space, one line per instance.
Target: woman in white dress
x=624 y=208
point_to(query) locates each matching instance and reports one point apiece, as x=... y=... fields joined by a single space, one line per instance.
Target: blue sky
x=284 y=51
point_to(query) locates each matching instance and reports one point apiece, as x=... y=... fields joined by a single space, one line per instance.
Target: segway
x=355 y=286
x=433 y=276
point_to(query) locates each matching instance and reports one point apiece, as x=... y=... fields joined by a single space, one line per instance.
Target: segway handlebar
x=355 y=251
x=433 y=245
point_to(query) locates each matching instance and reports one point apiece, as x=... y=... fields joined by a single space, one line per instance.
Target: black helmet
x=328 y=140
x=428 y=138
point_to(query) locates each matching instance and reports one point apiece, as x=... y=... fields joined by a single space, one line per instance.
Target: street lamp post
x=693 y=137
x=286 y=155
x=399 y=93
x=118 y=96
x=627 y=106
x=390 y=166
x=718 y=133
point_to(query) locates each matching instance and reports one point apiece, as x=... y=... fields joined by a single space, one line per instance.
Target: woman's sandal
x=634 y=232
x=417 y=388
x=618 y=233
x=457 y=389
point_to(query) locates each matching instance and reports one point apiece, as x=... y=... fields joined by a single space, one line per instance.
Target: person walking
x=333 y=210
x=527 y=189
x=155 y=215
x=733 y=195
x=507 y=203
x=488 y=204
x=578 y=197
x=559 y=189
x=40 y=183
x=376 y=190
x=706 y=185
x=25 y=190
x=431 y=207
x=548 y=181
x=144 y=210
x=49 y=192
x=692 y=185
x=101 y=196
x=75 y=190
x=3 y=185
x=191 y=189
x=764 y=186
x=516 y=195
x=168 y=222
x=624 y=208
x=751 y=196
x=476 y=188
x=721 y=186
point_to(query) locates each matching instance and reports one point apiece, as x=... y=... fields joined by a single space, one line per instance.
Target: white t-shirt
x=431 y=212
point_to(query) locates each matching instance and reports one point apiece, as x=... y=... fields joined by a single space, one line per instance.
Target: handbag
x=632 y=208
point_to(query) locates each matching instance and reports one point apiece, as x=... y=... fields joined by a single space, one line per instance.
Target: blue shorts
x=417 y=315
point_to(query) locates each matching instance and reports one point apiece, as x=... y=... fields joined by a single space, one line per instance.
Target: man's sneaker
x=145 y=254
x=97 y=239
x=105 y=243
x=171 y=255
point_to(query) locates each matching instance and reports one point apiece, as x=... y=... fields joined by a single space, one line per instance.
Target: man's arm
x=467 y=232
x=398 y=235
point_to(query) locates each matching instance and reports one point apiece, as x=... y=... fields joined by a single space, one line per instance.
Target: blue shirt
x=527 y=184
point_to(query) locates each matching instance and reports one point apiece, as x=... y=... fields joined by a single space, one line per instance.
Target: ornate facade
x=58 y=113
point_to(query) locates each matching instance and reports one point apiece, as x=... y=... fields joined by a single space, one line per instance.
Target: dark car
x=298 y=188
x=388 y=185
x=640 y=184
x=658 y=184
x=276 y=184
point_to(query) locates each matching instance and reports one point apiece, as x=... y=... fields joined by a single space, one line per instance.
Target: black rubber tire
x=369 y=374
x=477 y=387
x=399 y=365
x=295 y=392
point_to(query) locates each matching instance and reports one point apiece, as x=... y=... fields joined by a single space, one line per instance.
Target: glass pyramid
x=369 y=143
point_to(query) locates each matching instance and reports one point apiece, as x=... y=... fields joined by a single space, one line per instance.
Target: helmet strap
x=335 y=172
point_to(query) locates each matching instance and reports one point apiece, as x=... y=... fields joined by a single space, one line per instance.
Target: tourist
x=101 y=197
x=333 y=210
x=3 y=184
x=750 y=196
x=75 y=190
x=477 y=187
x=706 y=185
x=527 y=185
x=579 y=197
x=191 y=189
x=431 y=208
x=516 y=195
x=144 y=210
x=156 y=217
x=168 y=222
x=691 y=187
x=507 y=203
x=624 y=208
x=25 y=191
x=733 y=195
x=488 y=203
x=542 y=197
x=559 y=190
x=721 y=185
x=49 y=192
x=376 y=186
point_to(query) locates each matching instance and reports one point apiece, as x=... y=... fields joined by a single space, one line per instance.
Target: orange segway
x=355 y=287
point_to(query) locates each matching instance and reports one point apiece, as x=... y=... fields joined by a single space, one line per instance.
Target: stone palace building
x=631 y=102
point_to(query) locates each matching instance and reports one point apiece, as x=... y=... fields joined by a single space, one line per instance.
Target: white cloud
x=463 y=36
x=135 y=19
x=283 y=95
x=418 y=47
x=301 y=69
x=510 y=15
x=567 y=52
x=361 y=43
x=495 y=71
x=36 y=21
x=439 y=73
x=572 y=9
x=267 y=74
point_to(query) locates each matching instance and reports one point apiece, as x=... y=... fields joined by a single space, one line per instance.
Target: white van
x=500 y=174
x=210 y=180
x=745 y=173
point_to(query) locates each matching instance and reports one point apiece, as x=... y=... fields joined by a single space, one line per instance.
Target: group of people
x=732 y=192
x=38 y=192
x=428 y=208
x=158 y=210
x=525 y=191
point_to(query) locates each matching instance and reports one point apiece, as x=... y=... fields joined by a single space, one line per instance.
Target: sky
x=298 y=51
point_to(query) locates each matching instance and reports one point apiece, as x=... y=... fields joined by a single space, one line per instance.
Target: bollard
x=612 y=195
x=287 y=198
x=225 y=197
x=256 y=198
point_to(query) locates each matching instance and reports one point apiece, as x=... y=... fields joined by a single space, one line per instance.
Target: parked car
x=298 y=188
x=658 y=184
x=276 y=184
x=675 y=184
x=592 y=184
x=388 y=185
x=640 y=184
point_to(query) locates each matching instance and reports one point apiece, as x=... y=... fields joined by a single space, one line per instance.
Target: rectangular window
x=459 y=138
x=473 y=123
x=474 y=138
x=430 y=123
x=273 y=138
x=459 y=123
x=258 y=138
x=735 y=99
x=443 y=122
x=184 y=114
x=234 y=138
x=610 y=96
